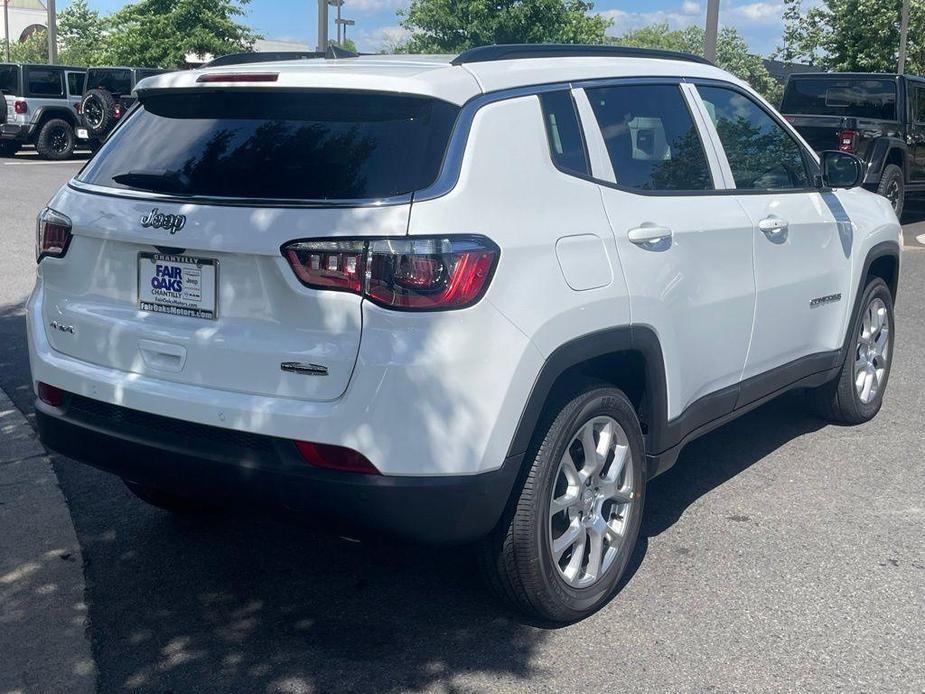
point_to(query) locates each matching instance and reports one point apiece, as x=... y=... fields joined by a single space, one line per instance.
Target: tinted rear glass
x=115 y=81
x=42 y=82
x=9 y=79
x=857 y=98
x=276 y=145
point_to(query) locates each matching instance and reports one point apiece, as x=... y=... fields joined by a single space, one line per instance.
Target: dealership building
x=25 y=17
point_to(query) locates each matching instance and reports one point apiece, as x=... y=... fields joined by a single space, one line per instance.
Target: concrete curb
x=43 y=617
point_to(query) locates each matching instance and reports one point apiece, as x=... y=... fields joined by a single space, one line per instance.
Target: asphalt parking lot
x=780 y=554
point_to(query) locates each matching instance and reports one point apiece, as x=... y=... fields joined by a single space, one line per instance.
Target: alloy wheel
x=872 y=353
x=590 y=503
x=58 y=140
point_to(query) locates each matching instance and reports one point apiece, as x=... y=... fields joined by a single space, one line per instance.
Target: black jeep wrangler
x=879 y=117
x=107 y=97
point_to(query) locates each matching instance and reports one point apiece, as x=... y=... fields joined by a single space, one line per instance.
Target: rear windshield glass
x=9 y=79
x=277 y=145
x=115 y=81
x=857 y=98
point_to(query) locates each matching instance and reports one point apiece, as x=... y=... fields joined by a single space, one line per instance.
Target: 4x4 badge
x=171 y=222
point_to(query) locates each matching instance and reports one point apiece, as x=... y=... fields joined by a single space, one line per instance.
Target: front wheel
x=856 y=396
x=558 y=554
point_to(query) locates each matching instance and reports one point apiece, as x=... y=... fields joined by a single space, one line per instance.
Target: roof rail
x=486 y=54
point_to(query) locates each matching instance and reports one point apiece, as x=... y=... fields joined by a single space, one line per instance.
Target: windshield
x=855 y=98
x=277 y=145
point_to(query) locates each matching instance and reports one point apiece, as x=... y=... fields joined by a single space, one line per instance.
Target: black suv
x=879 y=117
x=39 y=107
x=108 y=95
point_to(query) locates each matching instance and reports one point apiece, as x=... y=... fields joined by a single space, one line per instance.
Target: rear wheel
x=893 y=187
x=56 y=140
x=168 y=502
x=558 y=554
x=856 y=395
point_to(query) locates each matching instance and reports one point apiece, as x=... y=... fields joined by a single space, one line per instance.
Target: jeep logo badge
x=171 y=222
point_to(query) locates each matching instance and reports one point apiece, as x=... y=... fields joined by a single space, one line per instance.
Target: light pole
x=6 y=27
x=338 y=4
x=322 y=25
x=52 y=33
x=709 y=41
x=903 y=37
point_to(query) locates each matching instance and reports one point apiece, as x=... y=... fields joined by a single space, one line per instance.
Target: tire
x=99 y=112
x=892 y=186
x=56 y=140
x=844 y=400
x=519 y=558
x=9 y=148
x=168 y=502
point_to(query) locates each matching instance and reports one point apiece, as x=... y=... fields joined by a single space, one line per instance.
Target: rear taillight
x=411 y=274
x=847 y=141
x=20 y=106
x=53 y=235
x=117 y=111
x=50 y=395
x=335 y=458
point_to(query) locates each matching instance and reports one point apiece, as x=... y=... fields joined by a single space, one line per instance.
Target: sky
x=377 y=25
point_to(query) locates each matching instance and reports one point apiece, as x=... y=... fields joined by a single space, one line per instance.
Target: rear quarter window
x=9 y=79
x=44 y=83
x=856 y=98
x=278 y=145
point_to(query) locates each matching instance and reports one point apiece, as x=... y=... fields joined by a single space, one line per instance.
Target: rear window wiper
x=155 y=181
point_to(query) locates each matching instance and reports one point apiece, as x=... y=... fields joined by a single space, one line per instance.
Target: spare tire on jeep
x=99 y=112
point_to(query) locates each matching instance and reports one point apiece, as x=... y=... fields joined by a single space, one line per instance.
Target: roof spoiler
x=333 y=53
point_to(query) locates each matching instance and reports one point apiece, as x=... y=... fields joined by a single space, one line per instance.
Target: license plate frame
x=194 y=289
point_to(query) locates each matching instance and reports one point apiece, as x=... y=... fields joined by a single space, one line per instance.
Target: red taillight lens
x=329 y=264
x=20 y=106
x=53 y=235
x=414 y=274
x=847 y=141
x=117 y=111
x=335 y=458
x=50 y=395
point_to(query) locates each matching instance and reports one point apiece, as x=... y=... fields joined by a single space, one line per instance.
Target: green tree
x=80 y=35
x=349 y=45
x=731 y=52
x=853 y=35
x=452 y=26
x=33 y=50
x=160 y=33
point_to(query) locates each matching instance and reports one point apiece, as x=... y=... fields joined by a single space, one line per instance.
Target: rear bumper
x=14 y=131
x=202 y=462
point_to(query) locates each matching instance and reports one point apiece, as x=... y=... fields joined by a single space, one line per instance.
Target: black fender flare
x=46 y=112
x=878 y=157
x=639 y=340
x=880 y=250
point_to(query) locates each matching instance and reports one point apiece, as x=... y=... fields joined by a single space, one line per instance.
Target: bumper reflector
x=335 y=458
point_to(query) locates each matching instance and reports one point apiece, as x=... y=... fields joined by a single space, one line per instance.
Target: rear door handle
x=647 y=234
x=775 y=228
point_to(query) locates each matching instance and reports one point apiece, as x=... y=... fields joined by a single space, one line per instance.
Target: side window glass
x=45 y=83
x=919 y=105
x=566 y=143
x=651 y=138
x=75 y=83
x=762 y=155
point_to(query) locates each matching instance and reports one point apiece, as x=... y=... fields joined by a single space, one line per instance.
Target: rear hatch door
x=175 y=269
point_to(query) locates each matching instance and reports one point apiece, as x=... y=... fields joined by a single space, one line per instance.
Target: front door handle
x=775 y=228
x=649 y=234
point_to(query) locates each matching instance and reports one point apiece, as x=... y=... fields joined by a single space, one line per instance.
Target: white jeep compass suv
x=473 y=299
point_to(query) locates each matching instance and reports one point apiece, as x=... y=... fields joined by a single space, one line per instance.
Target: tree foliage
x=452 y=26
x=81 y=33
x=160 y=33
x=853 y=35
x=33 y=50
x=731 y=52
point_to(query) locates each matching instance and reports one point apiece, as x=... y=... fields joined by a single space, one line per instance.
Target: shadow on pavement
x=242 y=603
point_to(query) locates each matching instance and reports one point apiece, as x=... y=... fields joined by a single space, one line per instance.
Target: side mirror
x=841 y=170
